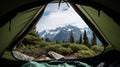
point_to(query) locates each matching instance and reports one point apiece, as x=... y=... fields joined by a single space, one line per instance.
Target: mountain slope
x=61 y=34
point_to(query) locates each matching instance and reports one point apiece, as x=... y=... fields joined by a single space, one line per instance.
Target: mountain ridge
x=61 y=34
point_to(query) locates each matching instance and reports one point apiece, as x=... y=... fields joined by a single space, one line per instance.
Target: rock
x=22 y=56
x=55 y=55
x=42 y=58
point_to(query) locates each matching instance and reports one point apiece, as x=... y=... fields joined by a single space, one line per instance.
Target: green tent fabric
x=106 y=26
x=74 y=64
x=7 y=4
x=15 y=27
x=112 y=4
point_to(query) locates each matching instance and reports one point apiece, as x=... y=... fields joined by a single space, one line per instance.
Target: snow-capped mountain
x=61 y=34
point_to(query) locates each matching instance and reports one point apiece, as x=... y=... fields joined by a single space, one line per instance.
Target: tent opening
x=59 y=34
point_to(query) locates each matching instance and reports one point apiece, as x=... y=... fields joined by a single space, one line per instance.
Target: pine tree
x=57 y=42
x=42 y=39
x=71 y=37
x=93 y=42
x=63 y=41
x=31 y=38
x=47 y=40
x=85 y=39
x=80 y=40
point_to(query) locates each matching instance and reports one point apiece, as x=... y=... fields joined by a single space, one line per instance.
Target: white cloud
x=59 y=17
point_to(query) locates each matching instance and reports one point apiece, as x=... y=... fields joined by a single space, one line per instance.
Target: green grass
x=8 y=55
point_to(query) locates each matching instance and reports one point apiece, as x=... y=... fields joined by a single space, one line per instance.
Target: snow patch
x=54 y=32
x=69 y=29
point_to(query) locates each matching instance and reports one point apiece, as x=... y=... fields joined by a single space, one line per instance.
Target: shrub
x=64 y=51
x=36 y=42
x=65 y=45
x=27 y=49
x=97 y=49
x=53 y=47
x=77 y=47
x=38 y=52
x=44 y=44
x=32 y=50
x=84 y=54
x=31 y=38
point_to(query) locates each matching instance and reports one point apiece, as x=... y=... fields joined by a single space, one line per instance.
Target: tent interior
x=19 y=17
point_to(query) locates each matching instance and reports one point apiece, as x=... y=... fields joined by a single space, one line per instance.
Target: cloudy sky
x=55 y=17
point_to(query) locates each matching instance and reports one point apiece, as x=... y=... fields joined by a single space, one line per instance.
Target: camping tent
x=18 y=16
